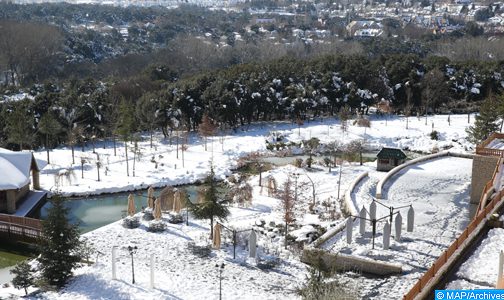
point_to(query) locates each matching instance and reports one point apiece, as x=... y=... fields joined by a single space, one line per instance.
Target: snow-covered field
x=437 y=189
x=173 y=171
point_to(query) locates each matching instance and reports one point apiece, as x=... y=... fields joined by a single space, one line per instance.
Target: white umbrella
x=157 y=209
x=216 y=241
x=131 y=205
x=150 y=197
x=398 y=227
x=252 y=244
x=177 y=205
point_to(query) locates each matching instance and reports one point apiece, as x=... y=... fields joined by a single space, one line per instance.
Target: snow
x=438 y=190
x=248 y=139
x=17 y=165
x=481 y=269
x=496 y=144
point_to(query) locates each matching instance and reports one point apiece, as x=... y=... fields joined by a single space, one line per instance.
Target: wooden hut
x=15 y=179
x=389 y=158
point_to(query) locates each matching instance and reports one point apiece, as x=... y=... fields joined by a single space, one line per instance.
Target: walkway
x=439 y=192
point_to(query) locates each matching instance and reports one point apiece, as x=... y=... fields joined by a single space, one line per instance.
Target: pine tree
x=49 y=127
x=485 y=122
x=126 y=127
x=58 y=245
x=212 y=206
x=23 y=276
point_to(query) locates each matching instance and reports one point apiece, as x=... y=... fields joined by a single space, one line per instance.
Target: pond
x=93 y=212
x=89 y=213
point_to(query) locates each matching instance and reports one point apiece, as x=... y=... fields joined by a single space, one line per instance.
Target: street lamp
x=220 y=268
x=132 y=250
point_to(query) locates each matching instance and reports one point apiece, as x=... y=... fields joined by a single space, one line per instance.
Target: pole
x=220 y=283
x=152 y=271
x=339 y=180
x=374 y=230
x=132 y=269
x=114 y=263
x=234 y=244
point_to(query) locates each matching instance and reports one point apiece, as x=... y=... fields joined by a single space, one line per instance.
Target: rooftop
x=391 y=153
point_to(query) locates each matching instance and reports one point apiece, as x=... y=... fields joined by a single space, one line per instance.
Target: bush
x=131 y=222
x=175 y=218
x=298 y=162
x=156 y=226
x=199 y=251
x=309 y=162
x=148 y=216
x=23 y=276
x=434 y=135
x=267 y=263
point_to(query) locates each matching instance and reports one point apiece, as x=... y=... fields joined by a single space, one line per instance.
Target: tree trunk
x=73 y=154
x=134 y=160
x=177 y=144
x=114 y=141
x=127 y=164
x=98 y=169
x=47 y=148
x=211 y=227
x=151 y=137
x=360 y=156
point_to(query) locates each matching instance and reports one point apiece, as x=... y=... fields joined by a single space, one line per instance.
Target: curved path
x=439 y=192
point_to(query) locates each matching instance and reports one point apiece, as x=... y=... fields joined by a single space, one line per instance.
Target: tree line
x=284 y=89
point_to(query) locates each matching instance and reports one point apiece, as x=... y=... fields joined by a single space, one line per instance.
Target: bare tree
x=206 y=128
x=288 y=206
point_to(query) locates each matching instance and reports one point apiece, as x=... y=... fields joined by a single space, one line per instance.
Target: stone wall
x=343 y=262
x=482 y=170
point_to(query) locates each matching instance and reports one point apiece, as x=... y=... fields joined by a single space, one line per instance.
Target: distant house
x=265 y=21
x=389 y=158
x=15 y=179
x=364 y=28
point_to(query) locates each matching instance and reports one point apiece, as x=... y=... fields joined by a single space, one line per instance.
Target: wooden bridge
x=19 y=229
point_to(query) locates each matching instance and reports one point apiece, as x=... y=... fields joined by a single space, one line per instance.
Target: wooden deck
x=19 y=229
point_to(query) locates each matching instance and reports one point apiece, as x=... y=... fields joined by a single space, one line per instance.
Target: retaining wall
x=381 y=183
x=343 y=262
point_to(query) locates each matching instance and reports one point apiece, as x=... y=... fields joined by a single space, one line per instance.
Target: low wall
x=350 y=208
x=343 y=262
x=381 y=183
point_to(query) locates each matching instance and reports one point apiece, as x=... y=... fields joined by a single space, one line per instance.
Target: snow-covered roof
x=15 y=169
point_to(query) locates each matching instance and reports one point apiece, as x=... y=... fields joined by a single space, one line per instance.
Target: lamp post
x=339 y=180
x=132 y=250
x=220 y=268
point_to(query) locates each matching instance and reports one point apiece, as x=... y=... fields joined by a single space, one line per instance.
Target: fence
x=482 y=150
x=20 y=228
x=482 y=212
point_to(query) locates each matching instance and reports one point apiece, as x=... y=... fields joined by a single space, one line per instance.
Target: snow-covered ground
x=437 y=190
x=173 y=171
x=480 y=270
